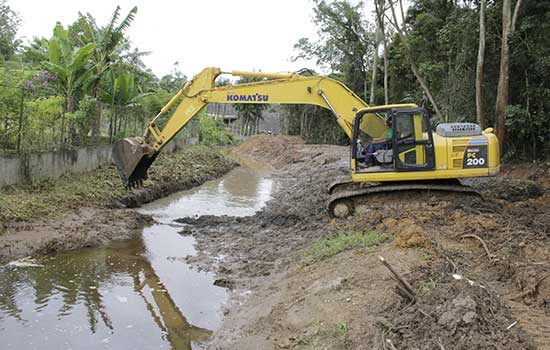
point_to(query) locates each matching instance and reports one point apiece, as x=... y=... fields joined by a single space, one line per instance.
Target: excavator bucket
x=132 y=157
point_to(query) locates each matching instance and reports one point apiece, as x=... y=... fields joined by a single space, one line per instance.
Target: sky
x=231 y=34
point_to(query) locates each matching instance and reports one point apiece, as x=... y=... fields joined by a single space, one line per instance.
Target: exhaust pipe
x=133 y=156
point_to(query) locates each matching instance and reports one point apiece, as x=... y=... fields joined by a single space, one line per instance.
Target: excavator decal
x=248 y=98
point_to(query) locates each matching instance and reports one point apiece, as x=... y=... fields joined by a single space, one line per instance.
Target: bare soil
x=497 y=248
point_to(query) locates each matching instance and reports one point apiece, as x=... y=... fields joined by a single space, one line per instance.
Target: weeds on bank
x=342 y=241
x=328 y=336
x=52 y=197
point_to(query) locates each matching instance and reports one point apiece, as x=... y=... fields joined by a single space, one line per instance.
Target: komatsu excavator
x=409 y=157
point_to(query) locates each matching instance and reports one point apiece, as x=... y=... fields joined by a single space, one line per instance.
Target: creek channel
x=134 y=294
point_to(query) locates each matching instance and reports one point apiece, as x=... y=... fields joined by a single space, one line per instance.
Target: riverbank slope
x=90 y=209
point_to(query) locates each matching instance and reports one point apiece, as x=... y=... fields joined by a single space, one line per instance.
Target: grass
x=52 y=197
x=343 y=241
x=328 y=336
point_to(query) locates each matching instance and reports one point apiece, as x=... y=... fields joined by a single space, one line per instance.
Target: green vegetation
x=343 y=241
x=340 y=329
x=431 y=60
x=54 y=197
x=83 y=85
x=86 y=84
x=250 y=114
x=329 y=336
x=212 y=131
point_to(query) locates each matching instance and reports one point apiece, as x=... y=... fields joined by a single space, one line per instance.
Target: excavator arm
x=134 y=155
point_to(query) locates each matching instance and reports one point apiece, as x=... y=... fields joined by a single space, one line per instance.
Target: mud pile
x=500 y=241
x=455 y=314
x=292 y=219
x=277 y=151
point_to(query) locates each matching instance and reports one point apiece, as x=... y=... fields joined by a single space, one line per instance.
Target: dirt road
x=478 y=267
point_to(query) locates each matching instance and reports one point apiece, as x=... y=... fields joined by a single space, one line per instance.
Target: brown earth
x=91 y=209
x=497 y=248
x=286 y=297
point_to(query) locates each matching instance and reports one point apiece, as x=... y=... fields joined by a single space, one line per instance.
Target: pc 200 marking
x=475 y=157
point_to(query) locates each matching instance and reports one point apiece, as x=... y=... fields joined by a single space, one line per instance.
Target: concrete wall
x=15 y=169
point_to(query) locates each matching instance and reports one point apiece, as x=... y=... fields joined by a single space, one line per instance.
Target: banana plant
x=108 y=40
x=122 y=93
x=70 y=64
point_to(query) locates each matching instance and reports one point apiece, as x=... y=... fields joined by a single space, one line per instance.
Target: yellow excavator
x=393 y=147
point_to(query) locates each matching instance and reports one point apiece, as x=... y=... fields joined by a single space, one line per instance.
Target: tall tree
x=377 y=39
x=400 y=29
x=71 y=67
x=344 y=43
x=9 y=23
x=250 y=114
x=508 y=28
x=107 y=40
x=480 y=114
x=380 y=8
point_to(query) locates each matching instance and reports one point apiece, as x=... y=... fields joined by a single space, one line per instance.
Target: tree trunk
x=372 y=100
x=386 y=88
x=508 y=27
x=21 y=114
x=412 y=63
x=423 y=84
x=480 y=116
x=71 y=108
x=96 y=127
x=502 y=90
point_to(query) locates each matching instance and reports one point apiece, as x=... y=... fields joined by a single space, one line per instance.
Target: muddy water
x=136 y=294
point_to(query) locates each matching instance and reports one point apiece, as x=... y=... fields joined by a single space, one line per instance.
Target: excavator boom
x=134 y=155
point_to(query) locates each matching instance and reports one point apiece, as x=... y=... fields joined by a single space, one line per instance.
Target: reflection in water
x=137 y=294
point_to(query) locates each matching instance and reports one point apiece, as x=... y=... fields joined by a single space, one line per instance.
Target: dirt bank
x=304 y=281
x=89 y=209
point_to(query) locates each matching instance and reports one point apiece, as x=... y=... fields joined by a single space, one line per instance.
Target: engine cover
x=458 y=129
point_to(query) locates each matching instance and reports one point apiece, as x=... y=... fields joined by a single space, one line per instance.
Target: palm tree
x=122 y=94
x=250 y=114
x=108 y=41
x=71 y=66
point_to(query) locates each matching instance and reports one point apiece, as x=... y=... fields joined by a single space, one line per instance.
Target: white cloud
x=238 y=34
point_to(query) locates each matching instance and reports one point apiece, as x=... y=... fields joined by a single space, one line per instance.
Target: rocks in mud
x=408 y=233
x=225 y=283
x=506 y=188
x=411 y=236
x=460 y=310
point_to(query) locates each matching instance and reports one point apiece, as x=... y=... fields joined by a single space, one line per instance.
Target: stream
x=134 y=294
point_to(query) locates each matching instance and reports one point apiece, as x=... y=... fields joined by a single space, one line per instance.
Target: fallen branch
x=531 y=290
x=390 y=344
x=489 y=255
x=406 y=287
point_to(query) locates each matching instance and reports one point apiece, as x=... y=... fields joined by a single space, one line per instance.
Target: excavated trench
x=110 y=297
x=273 y=295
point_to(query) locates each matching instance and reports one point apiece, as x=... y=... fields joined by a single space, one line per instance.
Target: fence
x=16 y=169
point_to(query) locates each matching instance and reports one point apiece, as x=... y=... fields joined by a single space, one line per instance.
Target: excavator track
x=345 y=194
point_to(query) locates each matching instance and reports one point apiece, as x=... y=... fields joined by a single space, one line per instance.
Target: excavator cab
x=406 y=143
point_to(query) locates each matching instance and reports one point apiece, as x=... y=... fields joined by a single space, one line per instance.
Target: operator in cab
x=382 y=143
